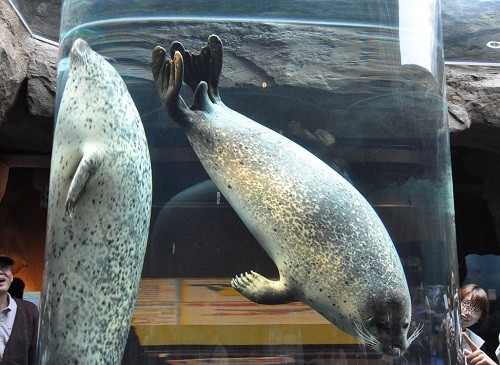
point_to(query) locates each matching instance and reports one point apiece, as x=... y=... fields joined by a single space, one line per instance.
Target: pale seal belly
x=98 y=217
x=330 y=247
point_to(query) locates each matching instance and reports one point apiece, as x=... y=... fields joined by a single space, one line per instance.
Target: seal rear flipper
x=261 y=290
x=87 y=167
x=206 y=66
x=168 y=76
x=194 y=65
x=214 y=66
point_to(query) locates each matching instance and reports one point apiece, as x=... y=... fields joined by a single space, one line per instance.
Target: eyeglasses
x=4 y=267
x=470 y=305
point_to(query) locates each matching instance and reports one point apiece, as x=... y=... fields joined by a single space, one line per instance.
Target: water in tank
x=357 y=84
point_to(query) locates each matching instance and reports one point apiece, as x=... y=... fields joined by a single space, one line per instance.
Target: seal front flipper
x=168 y=76
x=90 y=162
x=261 y=290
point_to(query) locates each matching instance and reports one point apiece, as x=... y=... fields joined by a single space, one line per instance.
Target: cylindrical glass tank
x=357 y=83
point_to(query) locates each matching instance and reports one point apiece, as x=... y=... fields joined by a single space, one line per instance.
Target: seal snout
x=79 y=51
x=395 y=351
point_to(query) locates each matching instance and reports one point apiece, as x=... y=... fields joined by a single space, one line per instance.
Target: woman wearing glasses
x=474 y=307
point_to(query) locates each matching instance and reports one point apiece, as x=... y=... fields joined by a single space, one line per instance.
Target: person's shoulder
x=26 y=305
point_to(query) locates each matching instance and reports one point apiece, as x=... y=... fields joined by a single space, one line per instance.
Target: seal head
x=384 y=326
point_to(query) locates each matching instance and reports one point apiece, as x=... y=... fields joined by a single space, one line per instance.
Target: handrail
x=472 y=63
x=33 y=35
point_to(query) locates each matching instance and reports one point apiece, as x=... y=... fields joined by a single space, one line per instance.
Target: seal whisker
x=415 y=334
x=367 y=337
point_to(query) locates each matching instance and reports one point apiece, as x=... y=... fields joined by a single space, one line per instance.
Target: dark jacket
x=21 y=346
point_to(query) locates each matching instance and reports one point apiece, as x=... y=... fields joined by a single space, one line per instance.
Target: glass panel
x=360 y=85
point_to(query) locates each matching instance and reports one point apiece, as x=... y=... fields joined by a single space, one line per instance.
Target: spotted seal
x=330 y=247
x=98 y=217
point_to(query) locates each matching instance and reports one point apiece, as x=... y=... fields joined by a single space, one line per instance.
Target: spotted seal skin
x=98 y=217
x=330 y=247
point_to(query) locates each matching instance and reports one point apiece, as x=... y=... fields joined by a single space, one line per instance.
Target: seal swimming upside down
x=98 y=217
x=330 y=247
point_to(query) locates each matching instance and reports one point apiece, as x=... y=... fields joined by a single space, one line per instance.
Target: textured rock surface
x=14 y=57
x=42 y=16
x=28 y=78
x=473 y=93
x=27 y=86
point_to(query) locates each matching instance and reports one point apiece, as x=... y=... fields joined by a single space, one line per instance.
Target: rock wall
x=28 y=84
x=473 y=94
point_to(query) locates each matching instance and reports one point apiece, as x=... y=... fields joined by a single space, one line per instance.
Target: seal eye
x=406 y=325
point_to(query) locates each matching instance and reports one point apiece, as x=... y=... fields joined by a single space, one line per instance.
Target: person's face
x=5 y=278
x=471 y=313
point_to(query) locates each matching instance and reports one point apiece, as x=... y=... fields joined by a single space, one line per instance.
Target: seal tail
x=201 y=99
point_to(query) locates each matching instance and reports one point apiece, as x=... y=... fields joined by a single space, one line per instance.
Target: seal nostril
x=396 y=351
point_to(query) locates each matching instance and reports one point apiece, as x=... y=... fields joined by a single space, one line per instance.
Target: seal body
x=98 y=217
x=330 y=247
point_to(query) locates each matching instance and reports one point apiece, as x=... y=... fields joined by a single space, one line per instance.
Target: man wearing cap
x=18 y=322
